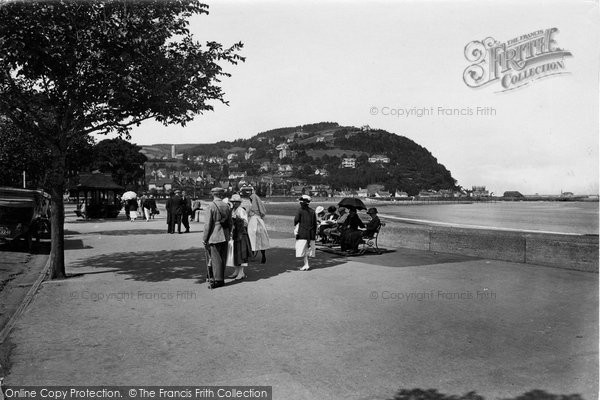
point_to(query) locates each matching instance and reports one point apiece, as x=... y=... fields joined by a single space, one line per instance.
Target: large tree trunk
x=57 y=220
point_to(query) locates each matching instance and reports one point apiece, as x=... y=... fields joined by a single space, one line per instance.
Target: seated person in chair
x=373 y=225
x=352 y=233
x=335 y=229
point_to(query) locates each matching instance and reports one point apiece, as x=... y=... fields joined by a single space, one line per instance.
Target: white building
x=379 y=158
x=349 y=162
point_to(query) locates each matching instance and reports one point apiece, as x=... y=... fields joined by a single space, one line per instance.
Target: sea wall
x=575 y=252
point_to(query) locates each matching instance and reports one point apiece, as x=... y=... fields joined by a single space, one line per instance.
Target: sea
x=564 y=217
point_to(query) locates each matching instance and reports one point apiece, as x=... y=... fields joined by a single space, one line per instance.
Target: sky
x=369 y=63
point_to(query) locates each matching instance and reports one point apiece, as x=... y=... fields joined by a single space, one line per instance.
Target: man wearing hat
x=306 y=231
x=217 y=229
x=174 y=207
x=186 y=210
x=168 y=207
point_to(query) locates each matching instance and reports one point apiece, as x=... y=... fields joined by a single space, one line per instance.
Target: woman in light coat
x=257 y=231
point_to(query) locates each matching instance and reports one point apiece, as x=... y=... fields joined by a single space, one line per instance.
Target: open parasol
x=352 y=202
x=129 y=195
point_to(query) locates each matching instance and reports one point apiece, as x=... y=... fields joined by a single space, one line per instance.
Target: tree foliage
x=122 y=159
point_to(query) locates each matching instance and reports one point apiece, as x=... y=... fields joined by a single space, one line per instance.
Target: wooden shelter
x=97 y=195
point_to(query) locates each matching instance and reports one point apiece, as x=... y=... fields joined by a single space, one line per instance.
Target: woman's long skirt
x=241 y=250
x=257 y=233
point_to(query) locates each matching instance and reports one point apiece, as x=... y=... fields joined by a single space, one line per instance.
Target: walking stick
x=209 y=272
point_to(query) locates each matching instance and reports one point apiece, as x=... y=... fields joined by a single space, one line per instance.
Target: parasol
x=129 y=195
x=353 y=202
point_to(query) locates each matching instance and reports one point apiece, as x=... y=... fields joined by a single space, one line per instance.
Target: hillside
x=324 y=153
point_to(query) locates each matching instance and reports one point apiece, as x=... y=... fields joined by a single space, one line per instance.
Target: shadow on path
x=164 y=265
x=130 y=232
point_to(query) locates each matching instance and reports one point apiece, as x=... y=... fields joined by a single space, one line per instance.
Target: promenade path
x=136 y=311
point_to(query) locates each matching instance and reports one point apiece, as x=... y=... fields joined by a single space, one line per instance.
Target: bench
x=369 y=243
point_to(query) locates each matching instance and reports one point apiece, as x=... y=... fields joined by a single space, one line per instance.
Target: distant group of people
x=238 y=220
x=180 y=207
x=145 y=205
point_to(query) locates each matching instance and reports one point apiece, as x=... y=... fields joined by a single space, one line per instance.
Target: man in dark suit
x=168 y=207
x=175 y=207
x=186 y=210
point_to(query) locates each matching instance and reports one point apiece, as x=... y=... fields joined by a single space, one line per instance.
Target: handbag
x=229 y=262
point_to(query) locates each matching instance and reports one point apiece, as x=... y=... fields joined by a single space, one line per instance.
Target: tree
x=122 y=159
x=72 y=69
x=19 y=153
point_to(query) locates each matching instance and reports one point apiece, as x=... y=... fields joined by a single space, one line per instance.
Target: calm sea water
x=552 y=216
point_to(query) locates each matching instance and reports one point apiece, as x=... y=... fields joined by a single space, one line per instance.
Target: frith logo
x=516 y=62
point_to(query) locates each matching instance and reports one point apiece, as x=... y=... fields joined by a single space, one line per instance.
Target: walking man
x=186 y=210
x=169 y=206
x=217 y=229
x=174 y=209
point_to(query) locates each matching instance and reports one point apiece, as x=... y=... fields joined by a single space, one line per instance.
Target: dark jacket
x=353 y=222
x=176 y=205
x=186 y=205
x=372 y=226
x=217 y=228
x=307 y=219
x=133 y=206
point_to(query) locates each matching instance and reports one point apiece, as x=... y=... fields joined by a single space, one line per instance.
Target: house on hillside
x=284 y=150
x=215 y=160
x=349 y=162
x=401 y=195
x=320 y=139
x=379 y=158
x=322 y=172
x=285 y=168
x=237 y=175
x=231 y=157
x=248 y=154
x=265 y=166
x=362 y=192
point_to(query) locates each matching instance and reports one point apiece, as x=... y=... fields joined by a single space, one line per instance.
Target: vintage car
x=24 y=214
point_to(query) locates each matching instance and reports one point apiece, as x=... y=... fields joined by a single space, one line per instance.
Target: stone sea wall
x=575 y=252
